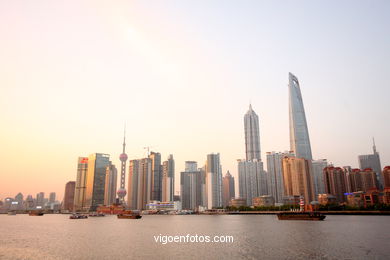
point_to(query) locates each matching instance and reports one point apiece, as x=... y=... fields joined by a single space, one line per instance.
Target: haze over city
x=182 y=76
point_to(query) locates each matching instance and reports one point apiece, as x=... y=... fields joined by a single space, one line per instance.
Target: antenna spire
x=373 y=146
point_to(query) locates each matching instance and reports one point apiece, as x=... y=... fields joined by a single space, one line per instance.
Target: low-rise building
x=264 y=201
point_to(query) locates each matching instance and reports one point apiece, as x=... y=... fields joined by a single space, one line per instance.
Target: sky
x=181 y=75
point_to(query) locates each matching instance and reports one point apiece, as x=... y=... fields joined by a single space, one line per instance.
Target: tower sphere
x=123 y=157
x=121 y=193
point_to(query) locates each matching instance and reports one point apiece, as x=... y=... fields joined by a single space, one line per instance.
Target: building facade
x=252 y=136
x=140 y=183
x=318 y=176
x=168 y=179
x=362 y=180
x=156 y=180
x=386 y=176
x=252 y=180
x=191 y=183
x=372 y=161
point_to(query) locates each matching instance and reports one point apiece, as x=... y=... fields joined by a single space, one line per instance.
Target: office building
x=40 y=199
x=52 y=197
x=299 y=133
x=252 y=136
x=297 y=178
x=96 y=177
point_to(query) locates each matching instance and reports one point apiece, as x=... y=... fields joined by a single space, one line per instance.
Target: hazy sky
x=181 y=74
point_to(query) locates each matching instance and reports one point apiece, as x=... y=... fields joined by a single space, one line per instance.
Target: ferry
x=302 y=214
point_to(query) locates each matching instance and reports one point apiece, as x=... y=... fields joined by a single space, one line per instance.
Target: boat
x=128 y=214
x=35 y=213
x=78 y=216
x=300 y=215
x=95 y=214
x=11 y=213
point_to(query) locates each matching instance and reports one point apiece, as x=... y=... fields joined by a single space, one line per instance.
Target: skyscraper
x=252 y=180
x=275 y=175
x=156 y=180
x=96 y=177
x=252 y=136
x=81 y=182
x=110 y=184
x=191 y=187
x=41 y=199
x=318 y=176
x=168 y=179
x=228 y=191
x=123 y=158
x=52 y=197
x=67 y=204
x=372 y=161
x=140 y=172
x=251 y=176
x=299 y=133
x=362 y=180
x=297 y=178
x=213 y=172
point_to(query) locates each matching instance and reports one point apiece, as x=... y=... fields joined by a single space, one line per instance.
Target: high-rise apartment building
x=228 y=191
x=275 y=175
x=335 y=181
x=96 y=177
x=372 y=161
x=110 y=184
x=318 y=176
x=81 y=182
x=213 y=181
x=252 y=136
x=297 y=178
x=168 y=179
x=299 y=133
x=362 y=180
x=68 y=202
x=386 y=176
x=140 y=185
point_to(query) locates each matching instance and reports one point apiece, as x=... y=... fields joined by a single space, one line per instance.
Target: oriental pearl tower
x=123 y=158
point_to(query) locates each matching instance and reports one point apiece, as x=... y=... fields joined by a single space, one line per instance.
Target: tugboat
x=302 y=214
x=128 y=214
x=78 y=216
x=35 y=213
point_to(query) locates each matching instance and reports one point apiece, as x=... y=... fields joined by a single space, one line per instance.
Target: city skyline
x=53 y=114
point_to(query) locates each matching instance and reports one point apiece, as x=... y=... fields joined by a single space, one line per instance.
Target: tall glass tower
x=252 y=137
x=299 y=134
